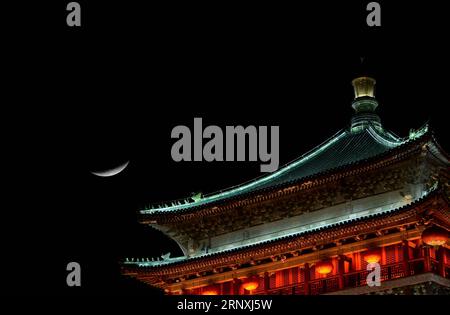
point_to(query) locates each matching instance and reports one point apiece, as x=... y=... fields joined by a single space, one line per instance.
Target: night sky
x=81 y=100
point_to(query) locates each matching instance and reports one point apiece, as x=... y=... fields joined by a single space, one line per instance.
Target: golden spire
x=364 y=86
x=364 y=105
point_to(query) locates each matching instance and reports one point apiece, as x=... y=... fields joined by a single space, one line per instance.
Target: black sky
x=85 y=99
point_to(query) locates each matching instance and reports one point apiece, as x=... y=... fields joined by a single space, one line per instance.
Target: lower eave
x=433 y=206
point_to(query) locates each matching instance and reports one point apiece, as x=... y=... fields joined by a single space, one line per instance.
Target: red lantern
x=251 y=283
x=434 y=236
x=372 y=256
x=324 y=267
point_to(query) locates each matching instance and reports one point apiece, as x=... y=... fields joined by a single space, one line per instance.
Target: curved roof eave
x=384 y=138
x=222 y=194
x=155 y=264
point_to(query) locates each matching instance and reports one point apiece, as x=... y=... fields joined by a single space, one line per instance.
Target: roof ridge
x=283 y=167
x=258 y=179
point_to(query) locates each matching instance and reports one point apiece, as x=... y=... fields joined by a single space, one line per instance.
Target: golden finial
x=364 y=86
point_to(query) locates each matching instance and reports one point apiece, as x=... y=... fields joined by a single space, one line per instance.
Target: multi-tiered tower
x=364 y=195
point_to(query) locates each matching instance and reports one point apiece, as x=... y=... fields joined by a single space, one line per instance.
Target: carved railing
x=354 y=279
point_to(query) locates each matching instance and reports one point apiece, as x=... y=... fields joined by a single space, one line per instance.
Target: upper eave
x=387 y=158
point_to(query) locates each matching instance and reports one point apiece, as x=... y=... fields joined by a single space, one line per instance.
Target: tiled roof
x=344 y=148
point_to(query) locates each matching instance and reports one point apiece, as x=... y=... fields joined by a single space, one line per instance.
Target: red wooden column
x=266 y=281
x=440 y=257
x=405 y=249
x=426 y=259
x=236 y=286
x=307 y=278
x=341 y=271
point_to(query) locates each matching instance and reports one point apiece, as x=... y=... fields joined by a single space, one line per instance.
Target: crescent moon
x=113 y=171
